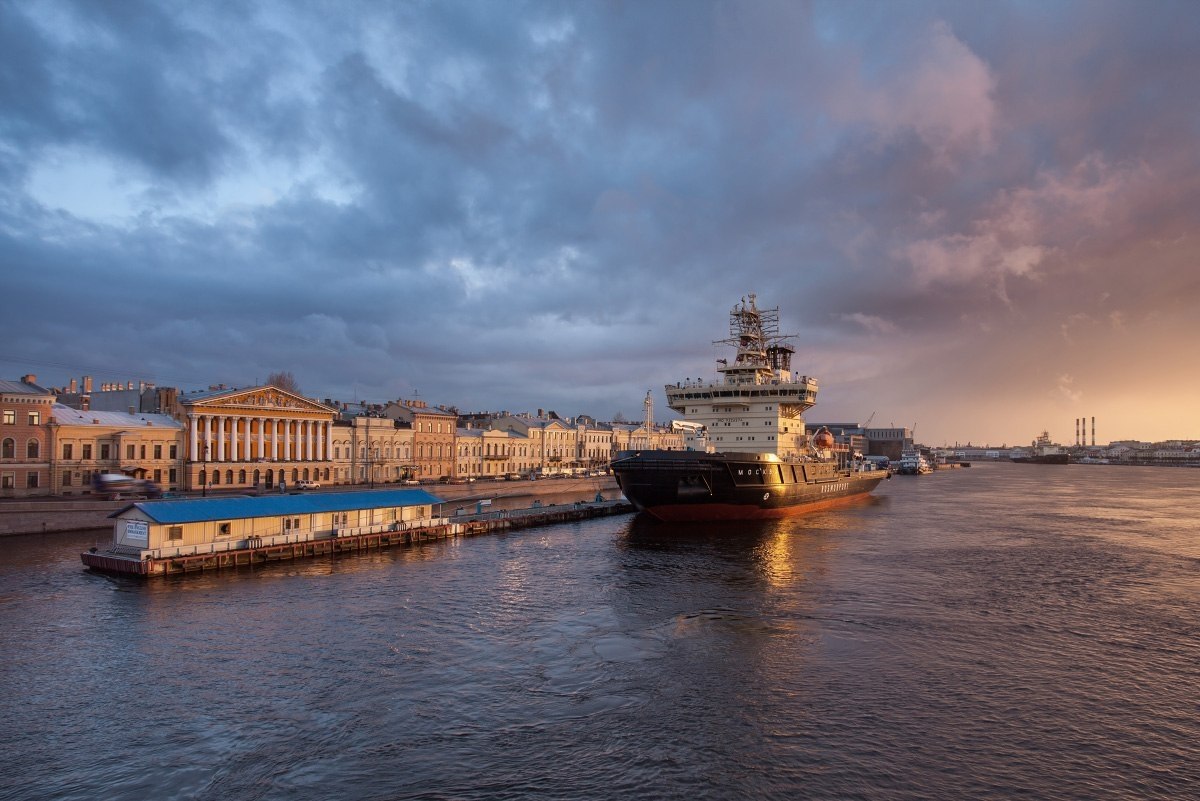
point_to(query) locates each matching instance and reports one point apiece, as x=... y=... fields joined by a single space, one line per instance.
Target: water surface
x=998 y=632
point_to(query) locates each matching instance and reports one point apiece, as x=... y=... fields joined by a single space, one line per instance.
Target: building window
x=174 y=451
x=8 y=481
x=175 y=533
x=66 y=478
x=128 y=451
x=223 y=529
x=87 y=451
x=158 y=451
x=31 y=480
x=104 y=451
x=143 y=452
x=158 y=476
x=10 y=417
x=35 y=418
x=33 y=449
x=68 y=450
x=171 y=475
x=8 y=450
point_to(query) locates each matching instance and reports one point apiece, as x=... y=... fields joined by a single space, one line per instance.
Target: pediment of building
x=260 y=399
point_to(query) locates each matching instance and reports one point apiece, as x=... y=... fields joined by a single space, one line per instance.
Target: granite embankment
x=39 y=516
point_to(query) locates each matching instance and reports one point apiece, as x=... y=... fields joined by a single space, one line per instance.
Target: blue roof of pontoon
x=197 y=510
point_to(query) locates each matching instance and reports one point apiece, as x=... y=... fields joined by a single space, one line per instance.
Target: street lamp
x=204 y=472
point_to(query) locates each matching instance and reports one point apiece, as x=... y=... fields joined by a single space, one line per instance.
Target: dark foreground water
x=999 y=632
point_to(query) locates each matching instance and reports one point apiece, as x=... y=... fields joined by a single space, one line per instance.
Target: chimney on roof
x=73 y=388
x=132 y=410
x=87 y=384
x=29 y=379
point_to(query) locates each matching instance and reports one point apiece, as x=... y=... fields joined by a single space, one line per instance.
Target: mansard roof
x=66 y=416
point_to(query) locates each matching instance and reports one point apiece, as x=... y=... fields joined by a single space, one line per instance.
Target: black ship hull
x=1050 y=458
x=679 y=486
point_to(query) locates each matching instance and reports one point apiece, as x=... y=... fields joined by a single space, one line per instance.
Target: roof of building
x=219 y=392
x=198 y=510
x=394 y=406
x=66 y=416
x=22 y=388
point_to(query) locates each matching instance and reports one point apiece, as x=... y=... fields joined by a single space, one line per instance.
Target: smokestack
x=1076 y=432
x=1093 y=432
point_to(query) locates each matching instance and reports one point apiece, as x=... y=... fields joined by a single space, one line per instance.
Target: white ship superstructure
x=758 y=405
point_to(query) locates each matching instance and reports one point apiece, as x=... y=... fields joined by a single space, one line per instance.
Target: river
x=999 y=632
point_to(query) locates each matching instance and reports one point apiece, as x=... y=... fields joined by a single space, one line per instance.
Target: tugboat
x=1043 y=451
x=757 y=461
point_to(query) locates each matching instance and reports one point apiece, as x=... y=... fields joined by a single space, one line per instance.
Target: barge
x=179 y=536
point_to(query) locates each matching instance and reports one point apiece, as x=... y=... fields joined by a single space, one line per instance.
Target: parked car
x=306 y=484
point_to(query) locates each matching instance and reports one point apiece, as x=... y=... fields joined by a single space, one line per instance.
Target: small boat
x=1043 y=451
x=914 y=463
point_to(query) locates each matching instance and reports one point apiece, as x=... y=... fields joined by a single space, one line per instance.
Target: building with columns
x=261 y=437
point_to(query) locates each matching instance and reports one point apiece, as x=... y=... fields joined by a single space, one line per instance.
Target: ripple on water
x=997 y=632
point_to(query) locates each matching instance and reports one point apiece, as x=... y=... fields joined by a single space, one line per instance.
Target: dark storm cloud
x=547 y=205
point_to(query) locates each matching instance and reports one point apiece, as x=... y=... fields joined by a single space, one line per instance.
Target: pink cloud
x=940 y=90
x=1023 y=228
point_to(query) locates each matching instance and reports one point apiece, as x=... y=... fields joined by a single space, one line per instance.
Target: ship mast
x=763 y=354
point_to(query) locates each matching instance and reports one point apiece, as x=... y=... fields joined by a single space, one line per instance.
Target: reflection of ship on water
x=758 y=462
x=1043 y=451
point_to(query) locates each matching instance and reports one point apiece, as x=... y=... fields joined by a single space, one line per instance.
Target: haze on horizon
x=979 y=218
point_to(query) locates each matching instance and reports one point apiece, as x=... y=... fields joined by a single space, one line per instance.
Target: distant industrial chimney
x=1076 y=432
x=1093 y=432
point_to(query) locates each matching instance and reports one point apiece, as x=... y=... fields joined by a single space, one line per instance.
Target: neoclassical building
x=261 y=437
x=372 y=450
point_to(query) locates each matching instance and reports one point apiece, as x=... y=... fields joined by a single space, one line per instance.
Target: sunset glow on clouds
x=976 y=217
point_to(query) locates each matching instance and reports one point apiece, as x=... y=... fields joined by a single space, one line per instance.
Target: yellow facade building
x=257 y=438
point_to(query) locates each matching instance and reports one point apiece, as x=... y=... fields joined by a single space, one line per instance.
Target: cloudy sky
x=980 y=218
